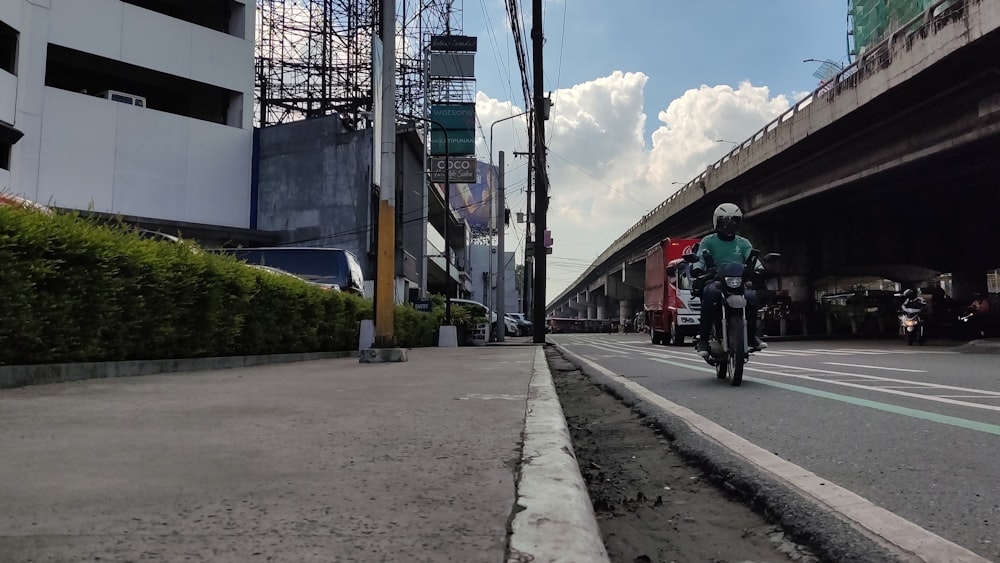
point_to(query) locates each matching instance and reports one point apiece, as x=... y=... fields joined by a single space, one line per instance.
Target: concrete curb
x=555 y=521
x=19 y=376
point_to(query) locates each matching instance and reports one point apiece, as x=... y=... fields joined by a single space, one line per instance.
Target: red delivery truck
x=671 y=313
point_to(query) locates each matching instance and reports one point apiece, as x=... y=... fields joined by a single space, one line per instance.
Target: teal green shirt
x=723 y=251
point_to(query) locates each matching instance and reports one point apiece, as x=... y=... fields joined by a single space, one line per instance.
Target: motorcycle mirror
x=771 y=256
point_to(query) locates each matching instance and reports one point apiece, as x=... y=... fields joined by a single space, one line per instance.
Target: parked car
x=331 y=266
x=164 y=237
x=524 y=326
x=480 y=310
x=280 y=272
x=11 y=200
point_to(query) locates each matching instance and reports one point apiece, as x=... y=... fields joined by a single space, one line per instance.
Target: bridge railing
x=871 y=61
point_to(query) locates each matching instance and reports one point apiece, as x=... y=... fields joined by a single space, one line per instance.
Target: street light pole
x=447 y=212
x=501 y=263
x=491 y=131
x=828 y=61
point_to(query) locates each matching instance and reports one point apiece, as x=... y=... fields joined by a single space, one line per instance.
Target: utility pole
x=528 y=280
x=384 y=349
x=541 y=177
x=501 y=306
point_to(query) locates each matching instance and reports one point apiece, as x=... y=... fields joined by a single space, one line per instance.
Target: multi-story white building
x=138 y=107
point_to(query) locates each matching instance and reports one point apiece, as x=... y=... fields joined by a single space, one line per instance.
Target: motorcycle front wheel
x=737 y=350
x=721 y=363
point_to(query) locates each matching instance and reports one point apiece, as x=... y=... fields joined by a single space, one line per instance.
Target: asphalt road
x=916 y=430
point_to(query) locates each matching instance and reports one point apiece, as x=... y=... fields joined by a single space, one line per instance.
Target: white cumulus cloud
x=604 y=172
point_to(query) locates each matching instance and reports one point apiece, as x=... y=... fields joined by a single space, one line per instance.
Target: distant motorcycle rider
x=725 y=246
x=913 y=300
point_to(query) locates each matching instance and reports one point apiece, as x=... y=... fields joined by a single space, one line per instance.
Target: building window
x=8 y=48
x=86 y=73
x=227 y=16
x=5 y=155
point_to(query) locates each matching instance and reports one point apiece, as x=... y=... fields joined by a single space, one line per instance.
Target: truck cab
x=683 y=310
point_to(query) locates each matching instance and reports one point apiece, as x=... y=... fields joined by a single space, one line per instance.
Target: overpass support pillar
x=800 y=293
x=625 y=312
x=966 y=284
x=621 y=297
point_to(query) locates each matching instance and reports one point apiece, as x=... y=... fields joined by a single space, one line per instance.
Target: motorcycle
x=728 y=346
x=911 y=319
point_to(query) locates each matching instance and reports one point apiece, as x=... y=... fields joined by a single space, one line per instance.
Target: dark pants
x=711 y=301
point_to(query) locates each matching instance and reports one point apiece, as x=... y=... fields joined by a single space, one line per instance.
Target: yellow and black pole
x=384 y=349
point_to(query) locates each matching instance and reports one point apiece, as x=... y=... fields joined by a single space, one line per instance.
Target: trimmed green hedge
x=72 y=290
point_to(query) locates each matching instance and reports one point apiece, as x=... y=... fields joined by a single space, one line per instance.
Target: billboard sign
x=453 y=65
x=453 y=43
x=472 y=201
x=455 y=116
x=463 y=169
x=460 y=143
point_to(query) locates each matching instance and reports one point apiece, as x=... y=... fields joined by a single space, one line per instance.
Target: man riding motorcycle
x=913 y=300
x=724 y=246
x=911 y=318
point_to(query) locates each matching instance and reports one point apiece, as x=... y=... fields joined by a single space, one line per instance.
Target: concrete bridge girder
x=597 y=285
x=634 y=275
x=880 y=133
x=619 y=290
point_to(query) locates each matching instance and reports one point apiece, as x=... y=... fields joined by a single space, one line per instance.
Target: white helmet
x=727 y=219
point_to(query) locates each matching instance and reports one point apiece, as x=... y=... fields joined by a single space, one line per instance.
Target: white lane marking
x=874 y=367
x=491 y=396
x=894 y=529
x=868 y=379
x=906 y=387
x=772 y=352
x=871 y=382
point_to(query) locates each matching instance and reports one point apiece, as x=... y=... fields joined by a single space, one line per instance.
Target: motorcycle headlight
x=910 y=322
x=733 y=281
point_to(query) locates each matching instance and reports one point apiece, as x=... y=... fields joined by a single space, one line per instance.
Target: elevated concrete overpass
x=889 y=170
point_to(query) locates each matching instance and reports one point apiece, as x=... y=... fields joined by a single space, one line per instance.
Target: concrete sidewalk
x=459 y=454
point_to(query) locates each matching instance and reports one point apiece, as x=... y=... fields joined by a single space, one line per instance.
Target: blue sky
x=642 y=89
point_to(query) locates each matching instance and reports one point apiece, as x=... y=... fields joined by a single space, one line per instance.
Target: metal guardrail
x=872 y=60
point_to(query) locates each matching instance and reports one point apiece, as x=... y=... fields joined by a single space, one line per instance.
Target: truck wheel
x=676 y=338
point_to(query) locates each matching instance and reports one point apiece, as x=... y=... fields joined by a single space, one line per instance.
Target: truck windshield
x=684 y=276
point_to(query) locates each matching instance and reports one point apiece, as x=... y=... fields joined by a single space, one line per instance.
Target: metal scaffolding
x=314 y=57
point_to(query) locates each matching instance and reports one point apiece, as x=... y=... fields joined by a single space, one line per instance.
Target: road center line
x=874 y=367
x=892 y=528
